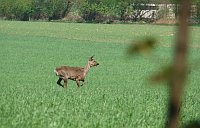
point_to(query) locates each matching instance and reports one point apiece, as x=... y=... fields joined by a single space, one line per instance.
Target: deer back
x=69 y=72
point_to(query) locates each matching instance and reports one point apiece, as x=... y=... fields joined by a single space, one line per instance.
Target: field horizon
x=117 y=92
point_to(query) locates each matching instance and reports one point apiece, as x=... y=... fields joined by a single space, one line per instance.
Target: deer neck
x=86 y=69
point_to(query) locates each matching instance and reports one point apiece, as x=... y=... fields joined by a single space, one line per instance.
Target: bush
x=96 y=12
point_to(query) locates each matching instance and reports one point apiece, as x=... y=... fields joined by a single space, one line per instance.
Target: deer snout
x=97 y=63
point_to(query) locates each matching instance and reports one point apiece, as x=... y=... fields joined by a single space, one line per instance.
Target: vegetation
x=116 y=93
x=100 y=11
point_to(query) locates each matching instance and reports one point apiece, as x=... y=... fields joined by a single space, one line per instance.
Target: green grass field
x=117 y=93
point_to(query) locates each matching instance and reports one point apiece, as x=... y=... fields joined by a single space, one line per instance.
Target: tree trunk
x=67 y=9
x=179 y=67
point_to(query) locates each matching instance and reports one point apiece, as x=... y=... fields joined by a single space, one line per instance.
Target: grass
x=116 y=94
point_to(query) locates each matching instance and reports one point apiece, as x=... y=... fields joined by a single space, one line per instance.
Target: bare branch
x=179 y=67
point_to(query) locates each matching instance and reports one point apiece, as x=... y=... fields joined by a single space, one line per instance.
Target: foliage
x=35 y=9
x=97 y=11
x=19 y=9
x=105 y=11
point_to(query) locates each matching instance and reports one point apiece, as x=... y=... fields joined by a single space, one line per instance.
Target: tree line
x=84 y=10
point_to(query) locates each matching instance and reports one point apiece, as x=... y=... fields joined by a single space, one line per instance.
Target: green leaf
x=163 y=75
x=144 y=46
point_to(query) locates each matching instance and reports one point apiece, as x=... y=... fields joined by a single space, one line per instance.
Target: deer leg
x=78 y=82
x=65 y=83
x=83 y=82
x=58 y=82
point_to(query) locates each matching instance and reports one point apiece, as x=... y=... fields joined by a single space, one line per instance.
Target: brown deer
x=74 y=73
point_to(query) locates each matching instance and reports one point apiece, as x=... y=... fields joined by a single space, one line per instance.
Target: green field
x=117 y=93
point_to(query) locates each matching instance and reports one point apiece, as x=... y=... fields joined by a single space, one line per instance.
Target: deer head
x=92 y=62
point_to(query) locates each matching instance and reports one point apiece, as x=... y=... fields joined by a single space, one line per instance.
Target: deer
x=77 y=74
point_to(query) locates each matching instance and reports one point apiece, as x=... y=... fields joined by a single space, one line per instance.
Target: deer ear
x=91 y=57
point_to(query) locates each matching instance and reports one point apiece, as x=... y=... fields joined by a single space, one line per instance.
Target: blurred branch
x=144 y=46
x=179 y=67
x=162 y=76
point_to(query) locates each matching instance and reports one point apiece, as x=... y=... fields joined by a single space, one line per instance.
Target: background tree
x=6 y=9
x=103 y=11
x=122 y=7
x=20 y=9
x=96 y=11
x=57 y=9
x=197 y=16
